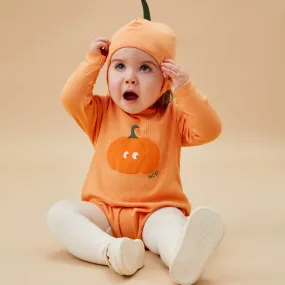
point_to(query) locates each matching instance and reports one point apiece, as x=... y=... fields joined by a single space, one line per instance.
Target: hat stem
x=146 y=12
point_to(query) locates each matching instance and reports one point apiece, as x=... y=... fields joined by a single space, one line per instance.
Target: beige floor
x=234 y=50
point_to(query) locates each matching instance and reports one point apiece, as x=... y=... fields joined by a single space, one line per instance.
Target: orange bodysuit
x=135 y=169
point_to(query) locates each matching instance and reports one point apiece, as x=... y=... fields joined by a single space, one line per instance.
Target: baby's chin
x=133 y=110
x=134 y=107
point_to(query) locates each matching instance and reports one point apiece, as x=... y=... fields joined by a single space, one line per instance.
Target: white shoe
x=125 y=256
x=203 y=232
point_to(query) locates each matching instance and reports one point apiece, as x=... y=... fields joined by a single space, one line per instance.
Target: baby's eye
x=145 y=68
x=120 y=66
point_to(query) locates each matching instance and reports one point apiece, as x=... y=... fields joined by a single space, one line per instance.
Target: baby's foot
x=203 y=232
x=125 y=256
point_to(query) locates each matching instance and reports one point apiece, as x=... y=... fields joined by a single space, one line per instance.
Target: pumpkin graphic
x=132 y=155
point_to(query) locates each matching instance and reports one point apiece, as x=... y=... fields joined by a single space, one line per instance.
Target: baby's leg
x=184 y=244
x=81 y=227
x=162 y=231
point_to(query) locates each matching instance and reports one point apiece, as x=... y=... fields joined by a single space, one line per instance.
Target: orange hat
x=156 y=39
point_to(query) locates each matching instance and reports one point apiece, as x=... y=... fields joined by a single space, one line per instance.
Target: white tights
x=82 y=228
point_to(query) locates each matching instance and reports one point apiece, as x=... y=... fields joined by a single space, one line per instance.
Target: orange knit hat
x=156 y=39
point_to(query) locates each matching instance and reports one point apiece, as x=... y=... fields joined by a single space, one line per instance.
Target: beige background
x=233 y=50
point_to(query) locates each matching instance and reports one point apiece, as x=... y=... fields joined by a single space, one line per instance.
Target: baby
x=132 y=198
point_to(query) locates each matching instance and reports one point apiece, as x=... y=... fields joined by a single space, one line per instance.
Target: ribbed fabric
x=189 y=121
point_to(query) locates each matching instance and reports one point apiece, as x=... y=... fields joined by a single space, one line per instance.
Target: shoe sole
x=131 y=254
x=203 y=233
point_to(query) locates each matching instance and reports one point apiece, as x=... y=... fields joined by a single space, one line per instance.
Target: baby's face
x=135 y=80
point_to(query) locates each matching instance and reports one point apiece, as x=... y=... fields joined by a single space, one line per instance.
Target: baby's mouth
x=130 y=96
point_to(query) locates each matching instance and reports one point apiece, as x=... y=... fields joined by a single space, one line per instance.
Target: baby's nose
x=131 y=81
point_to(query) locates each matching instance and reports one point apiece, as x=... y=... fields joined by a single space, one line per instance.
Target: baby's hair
x=164 y=100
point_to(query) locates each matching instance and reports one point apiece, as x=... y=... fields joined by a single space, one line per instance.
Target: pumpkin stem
x=133 y=135
x=146 y=13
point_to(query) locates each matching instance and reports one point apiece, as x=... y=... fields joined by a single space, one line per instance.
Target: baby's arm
x=77 y=96
x=197 y=120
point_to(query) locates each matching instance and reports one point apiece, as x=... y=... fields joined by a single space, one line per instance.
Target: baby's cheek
x=114 y=90
x=111 y=83
x=113 y=80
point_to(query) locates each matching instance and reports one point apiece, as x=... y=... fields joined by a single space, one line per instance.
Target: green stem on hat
x=133 y=135
x=146 y=13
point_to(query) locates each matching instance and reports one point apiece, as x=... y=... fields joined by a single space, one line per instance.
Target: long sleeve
x=78 y=99
x=197 y=120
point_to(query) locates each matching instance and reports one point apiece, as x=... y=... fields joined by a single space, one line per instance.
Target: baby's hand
x=178 y=76
x=100 y=45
